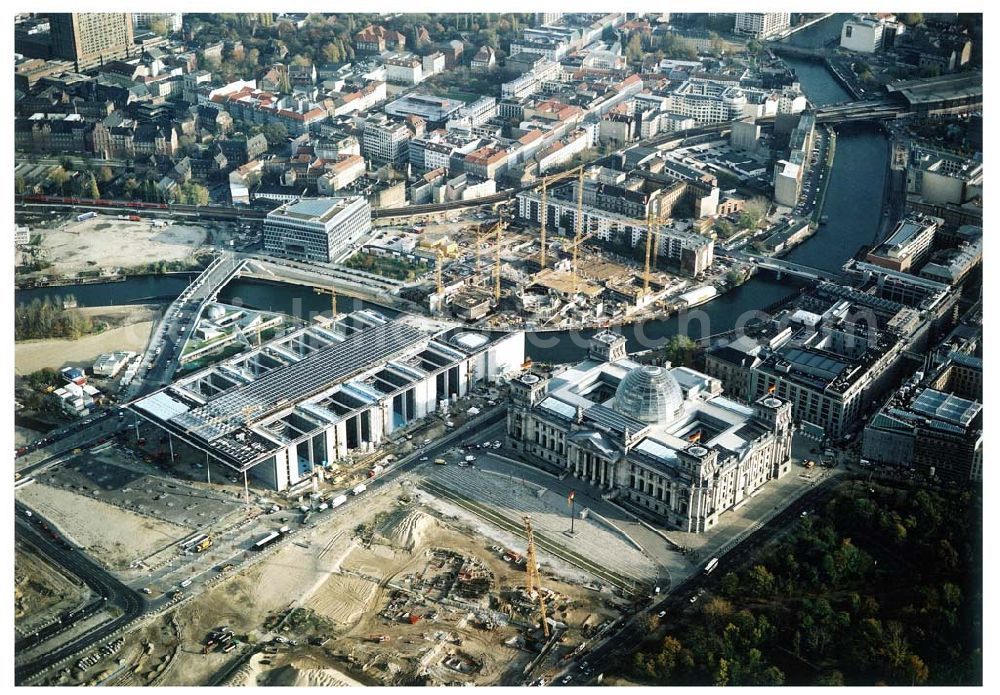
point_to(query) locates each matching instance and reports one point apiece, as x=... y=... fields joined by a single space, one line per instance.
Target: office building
x=91 y=38
x=908 y=244
x=385 y=142
x=939 y=176
x=318 y=229
x=473 y=114
x=867 y=33
x=322 y=394
x=407 y=70
x=834 y=349
x=688 y=251
x=787 y=183
x=744 y=136
x=708 y=102
x=662 y=441
x=934 y=423
x=952 y=266
x=434 y=110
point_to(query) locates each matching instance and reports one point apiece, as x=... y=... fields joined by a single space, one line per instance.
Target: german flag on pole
x=572 y=496
x=771 y=388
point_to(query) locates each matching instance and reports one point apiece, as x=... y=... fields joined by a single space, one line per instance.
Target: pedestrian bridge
x=780 y=267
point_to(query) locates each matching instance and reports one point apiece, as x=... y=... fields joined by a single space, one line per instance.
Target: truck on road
x=359 y=489
x=337 y=501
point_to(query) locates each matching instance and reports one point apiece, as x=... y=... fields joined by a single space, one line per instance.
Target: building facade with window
x=662 y=441
x=316 y=229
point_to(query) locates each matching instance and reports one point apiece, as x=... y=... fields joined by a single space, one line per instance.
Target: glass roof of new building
x=946 y=407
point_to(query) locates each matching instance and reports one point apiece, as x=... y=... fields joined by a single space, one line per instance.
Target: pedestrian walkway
x=514 y=497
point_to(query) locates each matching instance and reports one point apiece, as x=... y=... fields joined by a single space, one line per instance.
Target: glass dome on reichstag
x=650 y=394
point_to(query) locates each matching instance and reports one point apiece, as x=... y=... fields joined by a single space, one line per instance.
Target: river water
x=819 y=34
x=853 y=206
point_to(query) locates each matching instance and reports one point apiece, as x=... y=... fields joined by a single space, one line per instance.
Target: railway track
x=628 y=585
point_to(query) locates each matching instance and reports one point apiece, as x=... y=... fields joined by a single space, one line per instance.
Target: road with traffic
x=614 y=649
x=131 y=603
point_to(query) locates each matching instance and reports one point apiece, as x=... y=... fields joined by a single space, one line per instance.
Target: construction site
x=557 y=262
x=431 y=581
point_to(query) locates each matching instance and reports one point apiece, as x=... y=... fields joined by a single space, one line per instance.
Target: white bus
x=712 y=564
x=266 y=540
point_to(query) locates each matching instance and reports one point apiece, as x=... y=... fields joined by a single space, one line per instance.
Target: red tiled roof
x=530 y=137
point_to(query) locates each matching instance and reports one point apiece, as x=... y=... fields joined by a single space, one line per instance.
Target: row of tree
x=45 y=318
x=880 y=587
x=329 y=40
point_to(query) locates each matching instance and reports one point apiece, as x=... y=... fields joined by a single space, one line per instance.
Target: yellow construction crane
x=438 y=263
x=333 y=299
x=651 y=223
x=534 y=580
x=579 y=225
x=496 y=261
x=650 y=231
x=479 y=253
x=543 y=212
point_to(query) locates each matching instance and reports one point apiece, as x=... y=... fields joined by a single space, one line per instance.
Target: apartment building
x=91 y=38
x=761 y=25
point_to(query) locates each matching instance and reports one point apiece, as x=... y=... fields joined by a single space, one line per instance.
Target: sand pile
x=409 y=533
x=290 y=676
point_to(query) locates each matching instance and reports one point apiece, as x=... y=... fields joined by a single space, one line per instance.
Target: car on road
x=425 y=458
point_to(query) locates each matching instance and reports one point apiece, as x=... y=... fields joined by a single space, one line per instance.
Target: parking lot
x=167 y=500
x=814 y=179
